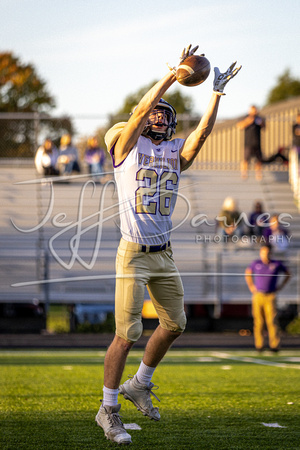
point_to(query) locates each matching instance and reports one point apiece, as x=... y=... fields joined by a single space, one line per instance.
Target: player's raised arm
x=196 y=139
x=137 y=122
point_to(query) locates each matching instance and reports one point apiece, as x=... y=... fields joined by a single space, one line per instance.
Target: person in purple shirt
x=256 y=220
x=94 y=157
x=276 y=235
x=262 y=278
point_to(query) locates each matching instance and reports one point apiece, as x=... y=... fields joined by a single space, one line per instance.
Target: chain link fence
x=22 y=133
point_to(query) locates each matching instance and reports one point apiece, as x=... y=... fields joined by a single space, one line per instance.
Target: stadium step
x=201 y=194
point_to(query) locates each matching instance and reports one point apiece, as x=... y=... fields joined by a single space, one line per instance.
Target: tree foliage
x=23 y=91
x=287 y=87
x=183 y=104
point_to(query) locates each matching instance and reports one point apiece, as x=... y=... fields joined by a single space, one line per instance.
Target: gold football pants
x=134 y=271
x=264 y=312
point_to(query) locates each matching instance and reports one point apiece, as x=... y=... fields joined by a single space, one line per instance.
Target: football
x=193 y=71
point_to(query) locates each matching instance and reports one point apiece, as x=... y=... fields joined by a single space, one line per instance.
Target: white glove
x=221 y=79
x=185 y=53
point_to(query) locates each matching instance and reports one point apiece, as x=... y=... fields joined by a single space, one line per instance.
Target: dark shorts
x=253 y=152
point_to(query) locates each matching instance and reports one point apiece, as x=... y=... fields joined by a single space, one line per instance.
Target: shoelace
x=115 y=419
x=150 y=387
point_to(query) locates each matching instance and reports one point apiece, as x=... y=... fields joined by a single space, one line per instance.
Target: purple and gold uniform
x=147 y=182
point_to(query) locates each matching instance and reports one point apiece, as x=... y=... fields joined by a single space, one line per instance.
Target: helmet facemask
x=163 y=114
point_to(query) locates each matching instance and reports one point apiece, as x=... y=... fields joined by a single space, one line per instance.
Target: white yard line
x=174 y=356
x=261 y=362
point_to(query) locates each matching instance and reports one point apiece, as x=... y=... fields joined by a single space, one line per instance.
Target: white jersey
x=147 y=182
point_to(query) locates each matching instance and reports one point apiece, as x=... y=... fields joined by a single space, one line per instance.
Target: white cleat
x=139 y=395
x=109 y=419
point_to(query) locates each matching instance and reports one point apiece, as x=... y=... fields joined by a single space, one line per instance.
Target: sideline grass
x=209 y=400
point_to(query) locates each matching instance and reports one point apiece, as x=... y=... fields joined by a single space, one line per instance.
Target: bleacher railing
x=221 y=282
x=294 y=175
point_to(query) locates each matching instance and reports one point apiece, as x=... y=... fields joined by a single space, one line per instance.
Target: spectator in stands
x=262 y=277
x=296 y=134
x=68 y=158
x=46 y=159
x=276 y=235
x=229 y=220
x=252 y=124
x=256 y=220
x=95 y=157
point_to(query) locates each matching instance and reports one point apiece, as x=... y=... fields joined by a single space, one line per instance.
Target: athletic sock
x=110 y=396
x=145 y=373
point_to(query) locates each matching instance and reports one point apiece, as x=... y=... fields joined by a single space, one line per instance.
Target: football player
x=147 y=165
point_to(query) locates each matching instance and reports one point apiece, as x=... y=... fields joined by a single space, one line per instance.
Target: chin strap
x=155 y=135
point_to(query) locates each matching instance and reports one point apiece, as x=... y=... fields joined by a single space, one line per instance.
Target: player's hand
x=184 y=54
x=221 y=79
x=187 y=52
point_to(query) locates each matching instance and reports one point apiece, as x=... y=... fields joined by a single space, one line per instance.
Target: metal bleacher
x=58 y=241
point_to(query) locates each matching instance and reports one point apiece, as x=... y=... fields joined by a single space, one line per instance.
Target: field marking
x=174 y=356
x=293 y=359
x=261 y=362
x=273 y=425
x=132 y=426
x=53 y=352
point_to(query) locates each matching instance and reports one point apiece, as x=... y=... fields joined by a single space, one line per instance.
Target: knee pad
x=130 y=332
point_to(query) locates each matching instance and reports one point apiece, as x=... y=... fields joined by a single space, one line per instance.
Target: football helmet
x=170 y=117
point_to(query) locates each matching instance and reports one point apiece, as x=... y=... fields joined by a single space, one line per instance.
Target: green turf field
x=209 y=400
